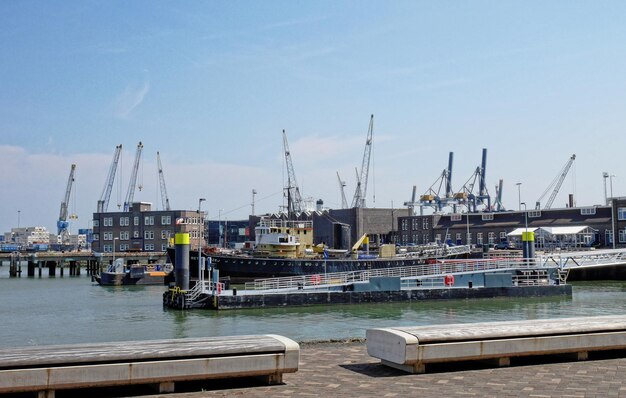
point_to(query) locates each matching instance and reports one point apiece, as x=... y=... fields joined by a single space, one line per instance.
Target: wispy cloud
x=130 y=99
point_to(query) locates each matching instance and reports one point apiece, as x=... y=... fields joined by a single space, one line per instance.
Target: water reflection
x=74 y=310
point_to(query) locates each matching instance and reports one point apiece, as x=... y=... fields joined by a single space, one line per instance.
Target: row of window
x=125 y=221
x=149 y=247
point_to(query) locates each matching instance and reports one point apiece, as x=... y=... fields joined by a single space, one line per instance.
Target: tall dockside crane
x=432 y=196
x=62 y=223
x=467 y=195
x=556 y=183
x=412 y=203
x=342 y=185
x=360 y=193
x=294 y=200
x=499 y=206
x=103 y=203
x=164 y=198
x=133 y=179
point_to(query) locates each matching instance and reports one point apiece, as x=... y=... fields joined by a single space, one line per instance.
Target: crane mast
x=164 y=198
x=556 y=183
x=62 y=223
x=360 y=193
x=294 y=200
x=103 y=203
x=342 y=185
x=133 y=178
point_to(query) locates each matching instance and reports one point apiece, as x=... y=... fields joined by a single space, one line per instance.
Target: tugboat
x=285 y=248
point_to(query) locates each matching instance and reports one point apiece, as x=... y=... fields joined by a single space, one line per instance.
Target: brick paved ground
x=345 y=370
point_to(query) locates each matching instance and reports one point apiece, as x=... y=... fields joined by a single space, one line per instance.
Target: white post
x=201 y=225
x=612 y=211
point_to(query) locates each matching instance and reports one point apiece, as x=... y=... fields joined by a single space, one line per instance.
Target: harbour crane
x=432 y=197
x=467 y=194
x=555 y=185
x=103 y=203
x=130 y=194
x=342 y=185
x=360 y=194
x=164 y=198
x=62 y=223
x=294 y=200
x=412 y=203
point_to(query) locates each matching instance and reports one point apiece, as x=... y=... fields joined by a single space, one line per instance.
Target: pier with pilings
x=52 y=264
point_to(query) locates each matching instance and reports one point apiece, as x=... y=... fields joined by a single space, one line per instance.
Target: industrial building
x=142 y=229
x=592 y=226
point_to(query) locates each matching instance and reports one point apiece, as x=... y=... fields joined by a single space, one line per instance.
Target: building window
x=124 y=247
x=107 y=248
x=95 y=237
x=534 y=214
x=135 y=234
x=108 y=221
x=448 y=237
x=415 y=224
x=425 y=238
x=163 y=247
x=621 y=213
x=148 y=234
x=622 y=236
x=455 y=217
x=608 y=236
x=108 y=236
x=136 y=220
x=588 y=211
x=124 y=221
x=166 y=220
x=458 y=236
x=165 y=234
x=479 y=238
x=502 y=235
x=149 y=220
x=96 y=223
x=438 y=238
x=492 y=238
x=487 y=217
x=149 y=247
x=424 y=223
x=124 y=235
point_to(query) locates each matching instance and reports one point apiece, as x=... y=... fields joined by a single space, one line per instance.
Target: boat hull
x=240 y=268
x=119 y=279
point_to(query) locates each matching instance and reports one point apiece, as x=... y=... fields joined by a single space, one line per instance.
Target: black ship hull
x=240 y=268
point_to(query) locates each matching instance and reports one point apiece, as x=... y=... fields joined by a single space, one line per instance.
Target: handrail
x=440 y=268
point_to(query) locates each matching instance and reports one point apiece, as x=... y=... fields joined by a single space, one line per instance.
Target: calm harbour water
x=39 y=311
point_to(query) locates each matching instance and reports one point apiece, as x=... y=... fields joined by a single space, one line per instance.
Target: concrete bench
x=411 y=348
x=44 y=369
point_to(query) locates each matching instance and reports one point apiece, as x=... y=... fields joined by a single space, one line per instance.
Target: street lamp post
x=18 y=218
x=467 y=235
x=605 y=175
x=519 y=196
x=612 y=211
x=200 y=226
x=525 y=240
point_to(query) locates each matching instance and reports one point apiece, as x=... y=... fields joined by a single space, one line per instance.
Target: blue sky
x=211 y=85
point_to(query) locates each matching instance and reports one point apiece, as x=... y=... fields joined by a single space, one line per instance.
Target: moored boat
x=137 y=274
x=284 y=248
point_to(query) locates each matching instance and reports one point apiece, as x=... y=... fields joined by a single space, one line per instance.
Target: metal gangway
x=437 y=251
x=437 y=270
x=583 y=259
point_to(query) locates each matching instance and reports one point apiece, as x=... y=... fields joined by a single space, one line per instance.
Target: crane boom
x=342 y=185
x=361 y=190
x=133 y=178
x=164 y=198
x=556 y=183
x=103 y=203
x=294 y=200
x=62 y=223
